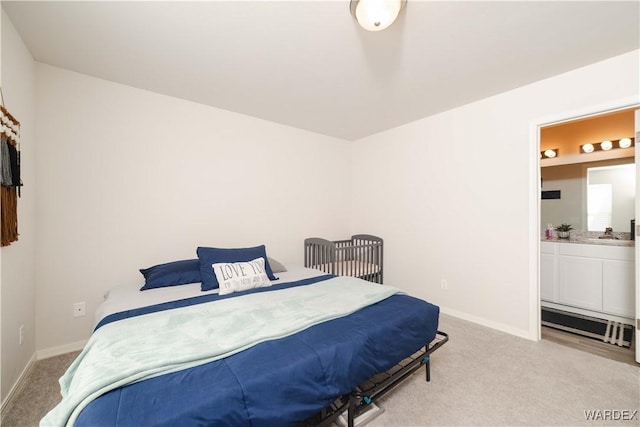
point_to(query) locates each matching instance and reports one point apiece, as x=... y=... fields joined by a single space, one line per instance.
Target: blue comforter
x=278 y=382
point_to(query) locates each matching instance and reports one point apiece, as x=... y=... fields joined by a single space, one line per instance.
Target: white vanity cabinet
x=618 y=278
x=548 y=271
x=596 y=278
x=580 y=282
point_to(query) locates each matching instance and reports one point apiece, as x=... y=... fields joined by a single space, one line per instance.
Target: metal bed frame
x=358 y=401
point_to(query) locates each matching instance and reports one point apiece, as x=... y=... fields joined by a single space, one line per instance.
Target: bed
x=170 y=356
x=360 y=256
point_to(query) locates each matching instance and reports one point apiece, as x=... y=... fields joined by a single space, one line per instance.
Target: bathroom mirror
x=591 y=194
x=611 y=197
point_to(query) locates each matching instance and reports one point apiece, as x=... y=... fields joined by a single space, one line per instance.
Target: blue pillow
x=171 y=274
x=209 y=256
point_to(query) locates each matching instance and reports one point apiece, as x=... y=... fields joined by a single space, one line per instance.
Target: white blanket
x=146 y=346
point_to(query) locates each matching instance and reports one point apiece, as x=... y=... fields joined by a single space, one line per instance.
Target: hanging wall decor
x=9 y=175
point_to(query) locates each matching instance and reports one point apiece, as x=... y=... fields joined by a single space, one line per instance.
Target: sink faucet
x=608 y=234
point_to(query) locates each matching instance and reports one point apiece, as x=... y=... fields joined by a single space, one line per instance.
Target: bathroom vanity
x=590 y=277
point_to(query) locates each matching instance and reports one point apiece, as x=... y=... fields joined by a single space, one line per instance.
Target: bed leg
x=427 y=360
x=351 y=410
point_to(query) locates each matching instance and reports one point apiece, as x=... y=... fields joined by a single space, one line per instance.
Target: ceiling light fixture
x=376 y=15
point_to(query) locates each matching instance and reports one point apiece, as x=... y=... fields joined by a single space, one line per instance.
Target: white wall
x=17 y=280
x=570 y=208
x=129 y=178
x=451 y=194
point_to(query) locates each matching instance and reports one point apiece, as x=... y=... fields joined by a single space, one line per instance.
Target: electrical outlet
x=21 y=334
x=79 y=309
x=444 y=284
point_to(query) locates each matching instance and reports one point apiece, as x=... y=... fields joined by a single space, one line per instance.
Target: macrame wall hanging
x=9 y=174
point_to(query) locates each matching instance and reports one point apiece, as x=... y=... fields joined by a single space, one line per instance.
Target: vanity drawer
x=622 y=253
x=547 y=247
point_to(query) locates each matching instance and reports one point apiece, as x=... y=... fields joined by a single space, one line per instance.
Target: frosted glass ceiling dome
x=376 y=15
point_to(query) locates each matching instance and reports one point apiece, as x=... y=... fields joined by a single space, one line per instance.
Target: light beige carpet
x=40 y=392
x=481 y=377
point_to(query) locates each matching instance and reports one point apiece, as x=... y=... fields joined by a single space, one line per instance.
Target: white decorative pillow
x=240 y=276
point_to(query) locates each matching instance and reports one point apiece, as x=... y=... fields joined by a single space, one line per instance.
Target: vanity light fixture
x=549 y=154
x=625 y=143
x=587 y=148
x=376 y=15
x=607 y=145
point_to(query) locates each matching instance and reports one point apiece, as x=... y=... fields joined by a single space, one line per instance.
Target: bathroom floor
x=610 y=351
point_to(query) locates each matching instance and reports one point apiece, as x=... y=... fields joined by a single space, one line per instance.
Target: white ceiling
x=308 y=64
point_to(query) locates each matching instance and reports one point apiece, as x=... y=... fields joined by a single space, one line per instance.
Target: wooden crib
x=361 y=256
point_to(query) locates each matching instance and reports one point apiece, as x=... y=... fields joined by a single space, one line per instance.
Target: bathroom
x=587 y=255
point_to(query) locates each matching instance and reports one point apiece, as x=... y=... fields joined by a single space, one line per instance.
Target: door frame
x=635 y=232
x=535 y=327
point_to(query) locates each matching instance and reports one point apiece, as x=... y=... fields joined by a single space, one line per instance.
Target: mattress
x=276 y=382
x=129 y=297
x=353 y=268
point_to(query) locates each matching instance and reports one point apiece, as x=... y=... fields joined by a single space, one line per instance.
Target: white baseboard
x=46 y=353
x=18 y=384
x=490 y=324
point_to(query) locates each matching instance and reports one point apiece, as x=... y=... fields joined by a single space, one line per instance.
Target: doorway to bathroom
x=587 y=215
